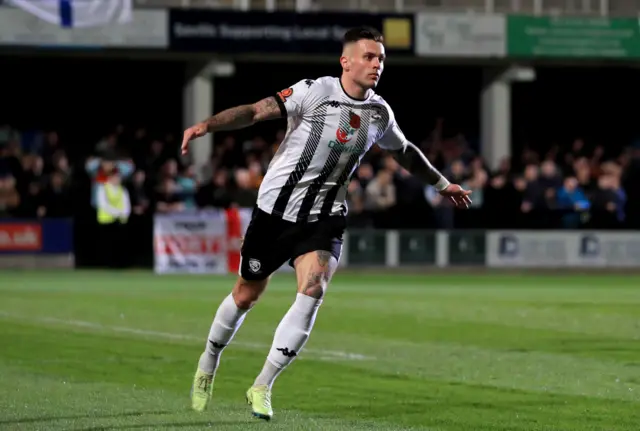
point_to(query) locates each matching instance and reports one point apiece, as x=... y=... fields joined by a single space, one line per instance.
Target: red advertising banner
x=20 y=237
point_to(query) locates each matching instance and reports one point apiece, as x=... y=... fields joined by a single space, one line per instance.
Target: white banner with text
x=562 y=249
x=460 y=35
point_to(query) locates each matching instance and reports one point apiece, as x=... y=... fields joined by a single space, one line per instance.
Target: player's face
x=365 y=62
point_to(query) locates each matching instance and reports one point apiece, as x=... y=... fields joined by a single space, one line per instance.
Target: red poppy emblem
x=354 y=121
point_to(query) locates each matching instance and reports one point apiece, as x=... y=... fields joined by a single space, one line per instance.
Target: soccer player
x=300 y=214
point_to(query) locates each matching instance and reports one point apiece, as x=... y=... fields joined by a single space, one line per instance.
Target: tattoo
x=231 y=119
x=317 y=273
x=315 y=285
x=412 y=162
x=267 y=109
x=323 y=257
x=244 y=115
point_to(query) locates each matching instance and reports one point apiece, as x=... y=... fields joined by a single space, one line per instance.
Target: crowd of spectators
x=35 y=175
x=569 y=185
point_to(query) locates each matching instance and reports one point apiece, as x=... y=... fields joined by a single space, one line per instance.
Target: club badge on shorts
x=254 y=265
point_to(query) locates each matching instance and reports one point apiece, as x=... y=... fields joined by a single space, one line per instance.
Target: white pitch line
x=319 y=354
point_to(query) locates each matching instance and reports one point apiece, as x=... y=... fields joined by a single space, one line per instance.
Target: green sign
x=417 y=248
x=466 y=247
x=367 y=247
x=573 y=37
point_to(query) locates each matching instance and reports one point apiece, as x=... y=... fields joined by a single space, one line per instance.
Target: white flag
x=78 y=13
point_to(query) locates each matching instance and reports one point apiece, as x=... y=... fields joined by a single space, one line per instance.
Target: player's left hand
x=457 y=195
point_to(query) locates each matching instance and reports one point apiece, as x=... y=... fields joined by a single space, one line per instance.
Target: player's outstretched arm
x=414 y=161
x=233 y=119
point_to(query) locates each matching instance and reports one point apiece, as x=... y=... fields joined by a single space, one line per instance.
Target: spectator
x=457 y=172
x=56 y=198
x=355 y=202
x=583 y=174
x=477 y=184
x=10 y=155
x=572 y=200
x=365 y=174
x=51 y=147
x=113 y=211
x=107 y=146
x=245 y=194
x=188 y=186
x=380 y=198
x=9 y=197
x=381 y=192
x=534 y=192
x=215 y=194
x=605 y=202
x=442 y=209
x=139 y=197
x=60 y=164
x=32 y=201
x=100 y=168
x=168 y=197
x=256 y=172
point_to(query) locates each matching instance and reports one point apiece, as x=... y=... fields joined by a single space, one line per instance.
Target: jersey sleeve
x=393 y=138
x=294 y=101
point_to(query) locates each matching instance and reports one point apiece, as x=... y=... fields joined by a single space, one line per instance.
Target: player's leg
x=228 y=319
x=258 y=262
x=314 y=270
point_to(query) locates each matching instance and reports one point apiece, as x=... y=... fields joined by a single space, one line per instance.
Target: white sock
x=225 y=324
x=290 y=336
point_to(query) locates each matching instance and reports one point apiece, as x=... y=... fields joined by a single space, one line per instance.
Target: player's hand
x=457 y=195
x=192 y=133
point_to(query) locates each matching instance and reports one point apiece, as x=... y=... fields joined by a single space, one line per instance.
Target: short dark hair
x=358 y=33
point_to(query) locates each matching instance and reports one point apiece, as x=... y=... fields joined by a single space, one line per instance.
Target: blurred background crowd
x=571 y=184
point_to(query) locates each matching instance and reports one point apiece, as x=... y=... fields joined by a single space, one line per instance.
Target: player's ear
x=344 y=62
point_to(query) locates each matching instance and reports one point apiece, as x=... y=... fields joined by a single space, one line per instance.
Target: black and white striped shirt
x=328 y=133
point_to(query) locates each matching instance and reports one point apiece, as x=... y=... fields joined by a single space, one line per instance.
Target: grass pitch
x=117 y=351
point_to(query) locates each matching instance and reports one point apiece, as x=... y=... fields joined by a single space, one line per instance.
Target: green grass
x=117 y=351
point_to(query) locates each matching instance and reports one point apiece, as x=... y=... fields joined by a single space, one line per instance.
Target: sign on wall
x=573 y=37
x=466 y=248
x=547 y=249
x=458 y=35
x=147 y=29
x=36 y=243
x=280 y=32
x=417 y=247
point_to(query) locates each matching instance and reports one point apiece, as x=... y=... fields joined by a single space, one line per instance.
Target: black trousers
x=113 y=250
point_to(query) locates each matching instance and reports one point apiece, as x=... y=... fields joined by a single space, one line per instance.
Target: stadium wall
x=209 y=242
x=44 y=243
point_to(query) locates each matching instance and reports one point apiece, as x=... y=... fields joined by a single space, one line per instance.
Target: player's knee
x=247 y=292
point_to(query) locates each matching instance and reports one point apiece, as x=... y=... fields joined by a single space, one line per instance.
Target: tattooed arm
x=410 y=157
x=234 y=118
x=410 y=160
x=244 y=115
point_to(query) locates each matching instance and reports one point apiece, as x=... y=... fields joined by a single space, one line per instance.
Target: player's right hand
x=457 y=195
x=192 y=133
